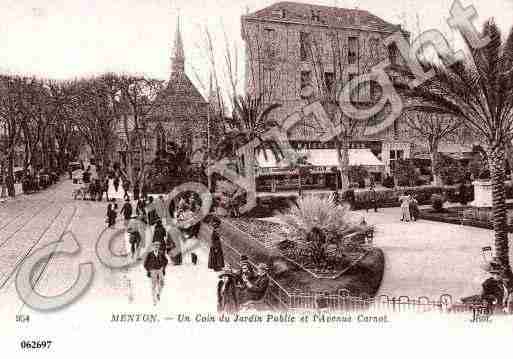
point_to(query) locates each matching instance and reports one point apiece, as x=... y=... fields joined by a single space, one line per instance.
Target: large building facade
x=295 y=50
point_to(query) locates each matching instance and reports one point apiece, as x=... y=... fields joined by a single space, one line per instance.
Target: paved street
x=420 y=258
x=34 y=221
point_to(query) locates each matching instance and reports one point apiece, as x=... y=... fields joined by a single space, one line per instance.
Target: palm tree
x=479 y=91
x=315 y=222
x=246 y=135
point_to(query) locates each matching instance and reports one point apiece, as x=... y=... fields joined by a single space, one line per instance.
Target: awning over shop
x=325 y=159
x=357 y=157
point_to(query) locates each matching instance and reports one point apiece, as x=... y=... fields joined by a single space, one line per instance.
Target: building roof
x=180 y=99
x=180 y=89
x=294 y=12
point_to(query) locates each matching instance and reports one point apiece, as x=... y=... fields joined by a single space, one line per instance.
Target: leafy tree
x=479 y=91
x=451 y=171
x=432 y=128
x=405 y=173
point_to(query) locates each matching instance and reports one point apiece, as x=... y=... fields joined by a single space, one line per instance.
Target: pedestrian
x=227 y=292
x=86 y=175
x=215 y=255
x=414 y=208
x=160 y=208
x=140 y=209
x=152 y=212
x=494 y=291
x=190 y=234
x=373 y=196
x=126 y=188
x=136 y=191
x=255 y=288
x=116 y=183
x=111 y=215
x=350 y=198
x=144 y=191
x=105 y=188
x=159 y=234
x=99 y=190
x=134 y=238
x=126 y=211
x=155 y=265
x=405 y=207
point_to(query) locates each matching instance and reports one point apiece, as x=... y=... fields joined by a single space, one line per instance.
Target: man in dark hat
x=255 y=288
x=155 y=265
x=246 y=272
x=226 y=292
x=126 y=211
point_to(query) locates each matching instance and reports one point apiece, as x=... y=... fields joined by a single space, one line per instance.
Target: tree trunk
x=10 y=175
x=249 y=168
x=343 y=163
x=4 y=178
x=299 y=186
x=433 y=151
x=496 y=157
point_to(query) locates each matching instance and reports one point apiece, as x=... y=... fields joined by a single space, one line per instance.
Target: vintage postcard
x=237 y=177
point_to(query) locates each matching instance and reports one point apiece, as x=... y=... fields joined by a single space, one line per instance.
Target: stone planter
x=482 y=194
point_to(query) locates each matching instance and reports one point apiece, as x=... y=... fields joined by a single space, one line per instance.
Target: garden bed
x=360 y=272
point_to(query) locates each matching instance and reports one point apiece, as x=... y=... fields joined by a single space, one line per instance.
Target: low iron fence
x=280 y=299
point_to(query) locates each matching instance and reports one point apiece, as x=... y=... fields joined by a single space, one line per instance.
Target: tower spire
x=178 y=59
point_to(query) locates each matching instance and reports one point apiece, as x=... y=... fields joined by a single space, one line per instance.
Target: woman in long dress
x=215 y=255
x=405 y=207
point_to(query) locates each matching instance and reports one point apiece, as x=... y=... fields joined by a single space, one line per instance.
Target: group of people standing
x=409 y=207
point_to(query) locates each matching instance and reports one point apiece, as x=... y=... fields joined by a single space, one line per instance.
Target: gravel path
x=427 y=258
x=34 y=221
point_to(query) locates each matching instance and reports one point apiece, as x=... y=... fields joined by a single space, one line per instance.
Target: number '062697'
x=35 y=344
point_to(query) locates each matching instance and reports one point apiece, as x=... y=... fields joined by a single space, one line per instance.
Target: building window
x=269 y=43
x=375 y=91
x=395 y=155
x=303 y=45
x=393 y=53
x=329 y=80
x=374 y=48
x=316 y=16
x=352 y=50
x=306 y=78
x=282 y=13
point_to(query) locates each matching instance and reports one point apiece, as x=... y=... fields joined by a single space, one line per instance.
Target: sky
x=70 y=38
